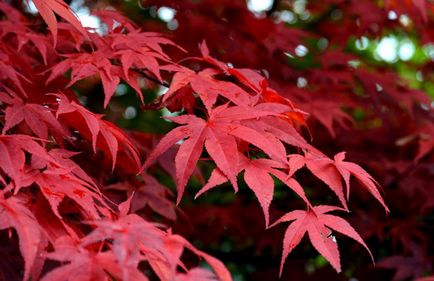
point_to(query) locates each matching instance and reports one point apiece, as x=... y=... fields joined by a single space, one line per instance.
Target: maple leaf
x=217 y=266
x=62 y=157
x=62 y=178
x=324 y=169
x=39 y=119
x=70 y=39
x=257 y=175
x=84 y=65
x=115 y=142
x=47 y=8
x=279 y=128
x=329 y=117
x=318 y=226
x=207 y=87
x=132 y=240
x=83 y=264
x=140 y=58
x=143 y=50
x=149 y=40
x=12 y=149
x=9 y=71
x=14 y=213
x=262 y=184
x=331 y=171
x=152 y=194
x=406 y=267
x=13 y=14
x=52 y=226
x=259 y=85
x=348 y=169
x=23 y=34
x=247 y=77
x=219 y=135
x=56 y=184
x=101 y=133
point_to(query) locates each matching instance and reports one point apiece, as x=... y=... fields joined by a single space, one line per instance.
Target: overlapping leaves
x=236 y=119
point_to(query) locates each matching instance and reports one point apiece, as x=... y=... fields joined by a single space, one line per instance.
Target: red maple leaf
x=150 y=193
x=81 y=264
x=257 y=175
x=38 y=118
x=13 y=160
x=219 y=135
x=14 y=213
x=101 y=133
x=207 y=87
x=318 y=226
x=47 y=8
x=330 y=172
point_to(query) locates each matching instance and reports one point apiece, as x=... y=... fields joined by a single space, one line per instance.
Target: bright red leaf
x=15 y=214
x=47 y=8
x=318 y=226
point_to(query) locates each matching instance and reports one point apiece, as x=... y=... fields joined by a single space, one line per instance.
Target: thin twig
x=273 y=8
x=147 y=76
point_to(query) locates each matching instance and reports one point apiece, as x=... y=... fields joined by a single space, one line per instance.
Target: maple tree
x=85 y=192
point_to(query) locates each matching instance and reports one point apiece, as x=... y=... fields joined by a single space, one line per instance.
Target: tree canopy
x=204 y=139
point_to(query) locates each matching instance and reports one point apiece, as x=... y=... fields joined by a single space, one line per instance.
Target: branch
x=153 y=79
x=147 y=76
x=273 y=8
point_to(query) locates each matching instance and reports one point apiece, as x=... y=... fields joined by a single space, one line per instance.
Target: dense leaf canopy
x=293 y=109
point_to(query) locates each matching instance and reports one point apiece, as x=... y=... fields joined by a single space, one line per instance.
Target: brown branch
x=147 y=76
x=273 y=8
